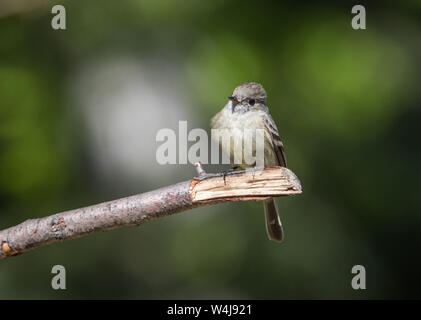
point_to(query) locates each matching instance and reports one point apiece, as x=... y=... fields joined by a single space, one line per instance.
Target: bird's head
x=248 y=95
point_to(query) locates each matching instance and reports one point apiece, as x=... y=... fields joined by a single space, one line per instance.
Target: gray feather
x=273 y=223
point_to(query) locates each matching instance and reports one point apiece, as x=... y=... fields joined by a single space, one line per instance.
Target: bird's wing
x=276 y=140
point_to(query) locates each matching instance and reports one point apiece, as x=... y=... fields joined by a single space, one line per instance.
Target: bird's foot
x=253 y=170
x=225 y=173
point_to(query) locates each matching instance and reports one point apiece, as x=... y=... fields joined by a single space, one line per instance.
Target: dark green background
x=346 y=103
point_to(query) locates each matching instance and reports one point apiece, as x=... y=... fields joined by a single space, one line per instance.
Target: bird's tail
x=273 y=223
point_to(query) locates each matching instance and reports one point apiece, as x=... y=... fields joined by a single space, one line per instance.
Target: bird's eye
x=251 y=102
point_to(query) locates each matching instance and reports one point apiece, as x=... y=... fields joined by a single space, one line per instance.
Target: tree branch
x=134 y=210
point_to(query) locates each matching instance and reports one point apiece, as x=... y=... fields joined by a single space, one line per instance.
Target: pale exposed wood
x=247 y=185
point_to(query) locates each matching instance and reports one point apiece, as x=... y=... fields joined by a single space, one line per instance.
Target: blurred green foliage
x=346 y=104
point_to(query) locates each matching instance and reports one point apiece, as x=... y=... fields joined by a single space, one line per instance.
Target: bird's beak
x=233 y=99
x=234 y=103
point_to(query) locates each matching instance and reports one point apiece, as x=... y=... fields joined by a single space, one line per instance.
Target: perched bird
x=247 y=109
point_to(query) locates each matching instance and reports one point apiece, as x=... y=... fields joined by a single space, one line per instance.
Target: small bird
x=247 y=109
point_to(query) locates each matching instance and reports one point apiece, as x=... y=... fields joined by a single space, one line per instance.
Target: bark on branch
x=134 y=210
